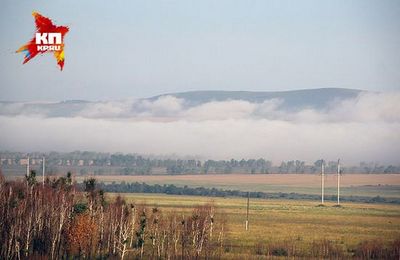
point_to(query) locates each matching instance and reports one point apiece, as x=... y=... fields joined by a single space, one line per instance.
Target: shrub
x=80 y=208
x=259 y=249
x=371 y=249
x=326 y=248
x=279 y=251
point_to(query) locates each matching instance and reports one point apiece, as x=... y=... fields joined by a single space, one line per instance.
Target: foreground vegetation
x=57 y=220
x=54 y=220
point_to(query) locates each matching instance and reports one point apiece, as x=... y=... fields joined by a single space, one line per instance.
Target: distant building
x=3 y=161
x=23 y=161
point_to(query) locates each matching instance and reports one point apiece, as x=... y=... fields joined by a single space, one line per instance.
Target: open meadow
x=297 y=228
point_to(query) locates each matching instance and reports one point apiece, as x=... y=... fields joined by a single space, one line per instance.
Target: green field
x=369 y=185
x=295 y=223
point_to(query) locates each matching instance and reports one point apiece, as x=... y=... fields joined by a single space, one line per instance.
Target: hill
x=318 y=99
x=294 y=99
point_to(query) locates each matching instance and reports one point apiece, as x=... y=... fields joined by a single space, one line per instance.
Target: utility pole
x=27 y=168
x=247 y=213
x=322 y=181
x=338 y=182
x=43 y=168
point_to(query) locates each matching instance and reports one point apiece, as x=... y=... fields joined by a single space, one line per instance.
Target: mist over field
x=363 y=127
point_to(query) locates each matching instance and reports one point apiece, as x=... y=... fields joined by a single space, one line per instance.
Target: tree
x=81 y=232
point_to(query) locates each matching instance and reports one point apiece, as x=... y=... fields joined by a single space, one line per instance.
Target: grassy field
x=299 y=223
x=384 y=185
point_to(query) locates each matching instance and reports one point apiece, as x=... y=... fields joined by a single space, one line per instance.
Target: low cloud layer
x=366 y=128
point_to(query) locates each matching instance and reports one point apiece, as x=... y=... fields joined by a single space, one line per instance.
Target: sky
x=120 y=49
x=117 y=52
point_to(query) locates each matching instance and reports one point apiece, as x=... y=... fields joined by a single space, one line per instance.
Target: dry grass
x=296 y=223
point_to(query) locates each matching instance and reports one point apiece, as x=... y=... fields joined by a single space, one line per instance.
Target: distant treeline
x=171 y=189
x=127 y=164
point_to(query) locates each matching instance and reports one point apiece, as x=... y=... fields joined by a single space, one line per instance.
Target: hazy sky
x=119 y=49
